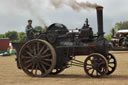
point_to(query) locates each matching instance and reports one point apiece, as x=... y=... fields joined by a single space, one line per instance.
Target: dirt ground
x=10 y=75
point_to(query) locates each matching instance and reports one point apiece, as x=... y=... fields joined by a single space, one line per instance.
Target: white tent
x=122 y=31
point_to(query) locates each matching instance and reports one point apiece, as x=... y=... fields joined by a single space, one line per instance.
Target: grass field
x=10 y=75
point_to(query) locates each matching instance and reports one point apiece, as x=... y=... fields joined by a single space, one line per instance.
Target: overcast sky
x=13 y=16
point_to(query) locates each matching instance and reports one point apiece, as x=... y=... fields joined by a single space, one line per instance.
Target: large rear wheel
x=37 y=58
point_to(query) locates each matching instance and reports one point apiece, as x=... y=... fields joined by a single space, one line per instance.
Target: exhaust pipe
x=100 y=21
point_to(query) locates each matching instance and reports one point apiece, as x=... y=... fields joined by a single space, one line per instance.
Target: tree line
x=15 y=36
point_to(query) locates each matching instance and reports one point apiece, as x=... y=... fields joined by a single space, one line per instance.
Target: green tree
x=121 y=25
x=21 y=37
x=39 y=28
x=2 y=36
x=12 y=35
x=108 y=37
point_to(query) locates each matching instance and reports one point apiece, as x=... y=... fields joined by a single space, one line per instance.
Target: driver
x=29 y=30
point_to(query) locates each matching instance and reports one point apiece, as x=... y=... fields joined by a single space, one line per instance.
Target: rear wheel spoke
x=33 y=68
x=43 y=68
x=36 y=69
x=40 y=67
x=29 y=65
x=48 y=55
x=45 y=63
x=26 y=57
x=29 y=49
x=45 y=51
x=38 y=46
x=34 y=49
x=48 y=60
x=30 y=54
x=41 y=50
x=28 y=61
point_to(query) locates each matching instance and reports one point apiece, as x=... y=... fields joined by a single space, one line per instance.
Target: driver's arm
x=28 y=29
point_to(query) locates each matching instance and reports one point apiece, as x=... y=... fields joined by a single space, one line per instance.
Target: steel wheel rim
x=112 y=64
x=95 y=65
x=37 y=58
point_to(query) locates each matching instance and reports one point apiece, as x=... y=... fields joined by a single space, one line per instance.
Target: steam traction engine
x=52 y=51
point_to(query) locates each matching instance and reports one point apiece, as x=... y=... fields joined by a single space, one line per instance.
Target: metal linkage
x=76 y=63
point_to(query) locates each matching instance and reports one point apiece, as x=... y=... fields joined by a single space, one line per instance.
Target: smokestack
x=100 y=21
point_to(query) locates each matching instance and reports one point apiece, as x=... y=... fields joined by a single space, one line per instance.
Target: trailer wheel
x=96 y=65
x=37 y=58
x=112 y=64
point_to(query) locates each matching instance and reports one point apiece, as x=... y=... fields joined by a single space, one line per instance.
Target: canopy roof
x=122 y=31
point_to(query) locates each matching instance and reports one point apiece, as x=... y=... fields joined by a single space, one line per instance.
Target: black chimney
x=100 y=21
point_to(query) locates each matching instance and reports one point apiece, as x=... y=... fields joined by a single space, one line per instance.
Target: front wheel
x=112 y=64
x=96 y=65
